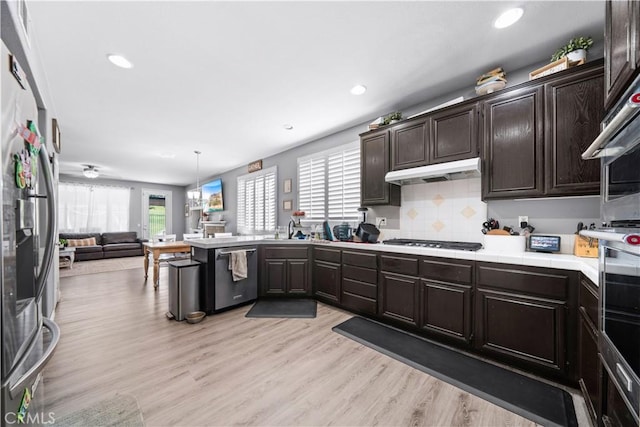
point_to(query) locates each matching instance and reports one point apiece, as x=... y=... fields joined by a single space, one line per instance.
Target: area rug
x=105 y=265
x=525 y=396
x=121 y=410
x=292 y=307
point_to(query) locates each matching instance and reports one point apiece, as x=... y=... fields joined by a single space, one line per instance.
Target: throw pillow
x=91 y=241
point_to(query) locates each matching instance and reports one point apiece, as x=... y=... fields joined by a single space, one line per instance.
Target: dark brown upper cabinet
x=621 y=47
x=574 y=110
x=533 y=136
x=454 y=134
x=513 y=144
x=410 y=144
x=374 y=154
x=447 y=135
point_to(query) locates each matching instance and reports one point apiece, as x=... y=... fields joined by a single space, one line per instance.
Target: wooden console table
x=158 y=248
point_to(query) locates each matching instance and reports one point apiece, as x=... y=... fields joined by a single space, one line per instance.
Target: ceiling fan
x=90 y=171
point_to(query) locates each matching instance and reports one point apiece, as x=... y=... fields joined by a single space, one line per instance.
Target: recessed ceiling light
x=509 y=17
x=358 y=89
x=119 y=60
x=287 y=126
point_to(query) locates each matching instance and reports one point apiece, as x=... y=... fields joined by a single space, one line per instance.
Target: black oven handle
x=629 y=108
x=632 y=239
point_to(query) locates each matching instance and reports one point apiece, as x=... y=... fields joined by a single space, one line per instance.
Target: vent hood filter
x=460 y=169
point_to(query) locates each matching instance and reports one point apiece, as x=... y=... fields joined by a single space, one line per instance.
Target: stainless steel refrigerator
x=28 y=237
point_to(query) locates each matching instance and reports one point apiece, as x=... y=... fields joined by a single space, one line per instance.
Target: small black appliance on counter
x=367 y=233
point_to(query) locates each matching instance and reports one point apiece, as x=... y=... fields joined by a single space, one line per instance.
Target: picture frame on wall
x=286 y=187
x=287 y=205
x=55 y=135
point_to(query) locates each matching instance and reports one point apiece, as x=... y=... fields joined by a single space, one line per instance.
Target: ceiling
x=224 y=77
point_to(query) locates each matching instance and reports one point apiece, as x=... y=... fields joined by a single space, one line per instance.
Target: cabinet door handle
x=629 y=48
x=622 y=374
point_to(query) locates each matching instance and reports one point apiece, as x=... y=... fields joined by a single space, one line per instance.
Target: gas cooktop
x=436 y=244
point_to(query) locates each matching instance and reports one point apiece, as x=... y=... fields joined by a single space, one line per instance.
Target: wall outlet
x=522 y=219
x=381 y=221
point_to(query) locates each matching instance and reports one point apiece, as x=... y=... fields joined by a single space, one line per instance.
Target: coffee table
x=158 y=248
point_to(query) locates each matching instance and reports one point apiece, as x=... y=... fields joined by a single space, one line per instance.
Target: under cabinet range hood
x=460 y=169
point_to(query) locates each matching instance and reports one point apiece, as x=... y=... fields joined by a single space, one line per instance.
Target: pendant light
x=195 y=196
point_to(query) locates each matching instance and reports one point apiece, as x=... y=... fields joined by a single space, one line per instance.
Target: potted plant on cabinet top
x=392 y=118
x=575 y=50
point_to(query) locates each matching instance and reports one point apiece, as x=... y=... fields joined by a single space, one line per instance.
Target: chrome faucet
x=290 y=228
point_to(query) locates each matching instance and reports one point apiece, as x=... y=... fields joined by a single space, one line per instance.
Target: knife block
x=582 y=248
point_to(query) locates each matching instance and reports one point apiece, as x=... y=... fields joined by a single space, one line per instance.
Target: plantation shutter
x=311 y=187
x=343 y=194
x=329 y=183
x=257 y=201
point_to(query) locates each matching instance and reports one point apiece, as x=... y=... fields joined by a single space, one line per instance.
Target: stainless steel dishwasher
x=227 y=292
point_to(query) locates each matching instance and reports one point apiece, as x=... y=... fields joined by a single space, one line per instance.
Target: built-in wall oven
x=618 y=147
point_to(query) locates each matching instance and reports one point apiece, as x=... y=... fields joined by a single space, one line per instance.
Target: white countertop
x=588 y=266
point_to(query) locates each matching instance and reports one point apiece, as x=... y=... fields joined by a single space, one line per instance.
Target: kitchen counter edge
x=588 y=266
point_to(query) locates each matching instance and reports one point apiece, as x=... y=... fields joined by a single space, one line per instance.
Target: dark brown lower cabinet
x=445 y=309
x=275 y=277
x=360 y=282
x=327 y=274
x=326 y=278
x=589 y=367
x=298 y=276
x=360 y=289
x=285 y=271
x=529 y=329
x=446 y=295
x=527 y=315
x=398 y=297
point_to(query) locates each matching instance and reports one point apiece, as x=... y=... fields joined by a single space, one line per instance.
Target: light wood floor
x=232 y=370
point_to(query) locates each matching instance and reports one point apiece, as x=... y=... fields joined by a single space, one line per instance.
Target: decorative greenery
x=574 y=44
x=63 y=242
x=396 y=115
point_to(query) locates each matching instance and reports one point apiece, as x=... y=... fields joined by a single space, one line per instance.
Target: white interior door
x=156 y=212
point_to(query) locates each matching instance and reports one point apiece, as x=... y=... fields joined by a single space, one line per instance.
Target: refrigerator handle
x=51 y=213
x=32 y=373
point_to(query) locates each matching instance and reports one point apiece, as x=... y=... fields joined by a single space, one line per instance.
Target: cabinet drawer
x=401 y=265
x=329 y=255
x=589 y=300
x=360 y=274
x=359 y=304
x=447 y=270
x=362 y=289
x=528 y=280
x=359 y=259
x=285 y=252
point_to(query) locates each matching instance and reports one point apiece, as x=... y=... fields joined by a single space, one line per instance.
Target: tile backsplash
x=447 y=210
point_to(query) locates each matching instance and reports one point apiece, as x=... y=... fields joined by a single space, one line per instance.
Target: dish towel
x=238 y=265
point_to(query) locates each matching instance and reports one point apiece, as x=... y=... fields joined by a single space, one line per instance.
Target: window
x=329 y=183
x=257 y=201
x=86 y=208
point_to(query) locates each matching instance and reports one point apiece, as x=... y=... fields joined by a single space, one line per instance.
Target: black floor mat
x=532 y=399
x=283 y=308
